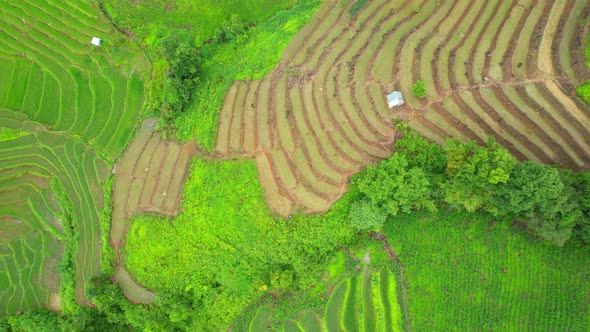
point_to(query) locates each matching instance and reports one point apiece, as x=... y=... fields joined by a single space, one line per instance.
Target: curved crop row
x=307 y=130
x=149 y=178
x=57 y=78
x=30 y=238
x=491 y=68
x=27 y=162
x=364 y=302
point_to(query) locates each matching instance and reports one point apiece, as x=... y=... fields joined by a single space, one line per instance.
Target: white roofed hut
x=395 y=99
x=95 y=41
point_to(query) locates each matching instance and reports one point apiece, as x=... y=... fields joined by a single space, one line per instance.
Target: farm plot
x=363 y=302
x=30 y=240
x=31 y=217
x=501 y=69
x=149 y=178
x=492 y=68
x=52 y=73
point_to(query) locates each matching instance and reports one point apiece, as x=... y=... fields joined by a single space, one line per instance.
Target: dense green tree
x=183 y=58
x=474 y=172
x=365 y=216
x=395 y=187
x=540 y=196
x=34 y=321
x=175 y=90
x=582 y=186
x=421 y=153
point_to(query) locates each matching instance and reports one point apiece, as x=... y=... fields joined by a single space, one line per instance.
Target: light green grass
x=225 y=245
x=203 y=16
x=468 y=272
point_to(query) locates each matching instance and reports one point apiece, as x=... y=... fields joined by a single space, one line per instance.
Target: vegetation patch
x=470 y=271
x=361 y=297
x=224 y=250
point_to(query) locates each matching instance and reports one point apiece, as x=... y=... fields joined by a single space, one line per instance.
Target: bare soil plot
x=492 y=68
x=149 y=178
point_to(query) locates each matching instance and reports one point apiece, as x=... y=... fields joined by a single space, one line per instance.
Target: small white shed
x=95 y=41
x=395 y=99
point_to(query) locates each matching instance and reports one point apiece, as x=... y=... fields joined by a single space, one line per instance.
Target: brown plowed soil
x=149 y=178
x=322 y=111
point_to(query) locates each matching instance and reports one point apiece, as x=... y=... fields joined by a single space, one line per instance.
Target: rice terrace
x=294 y=165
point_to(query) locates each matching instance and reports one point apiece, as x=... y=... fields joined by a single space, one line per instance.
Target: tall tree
x=473 y=172
x=396 y=187
x=542 y=197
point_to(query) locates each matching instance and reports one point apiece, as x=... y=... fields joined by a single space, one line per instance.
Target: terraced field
x=365 y=302
x=150 y=177
x=31 y=230
x=67 y=110
x=30 y=236
x=51 y=72
x=499 y=68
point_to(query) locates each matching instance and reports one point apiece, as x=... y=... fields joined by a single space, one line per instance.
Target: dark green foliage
x=34 y=321
x=420 y=153
x=182 y=56
x=183 y=60
x=419 y=89
x=421 y=175
x=66 y=267
x=358 y=5
x=281 y=279
x=541 y=197
x=583 y=91
x=365 y=216
x=473 y=172
x=230 y=29
x=395 y=187
x=582 y=186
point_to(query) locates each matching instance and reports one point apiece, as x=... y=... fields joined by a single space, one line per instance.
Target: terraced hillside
x=32 y=232
x=366 y=302
x=150 y=177
x=492 y=68
x=51 y=72
x=67 y=110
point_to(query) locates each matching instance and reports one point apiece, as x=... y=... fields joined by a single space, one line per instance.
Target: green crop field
x=236 y=166
x=358 y=300
x=473 y=273
x=71 y=108
x=29 y=162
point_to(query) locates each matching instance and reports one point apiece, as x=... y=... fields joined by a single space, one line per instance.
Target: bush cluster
x=551 y=202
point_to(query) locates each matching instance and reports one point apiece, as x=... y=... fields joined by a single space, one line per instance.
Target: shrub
x=365 y=216
x=419 y=89
x=583 y=91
